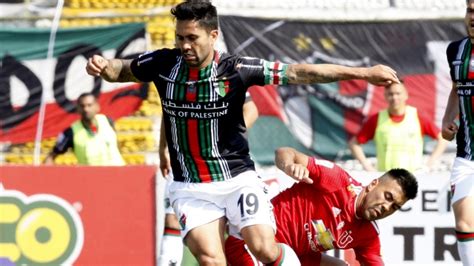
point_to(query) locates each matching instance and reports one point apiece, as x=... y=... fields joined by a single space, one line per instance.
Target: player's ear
x=372 y=184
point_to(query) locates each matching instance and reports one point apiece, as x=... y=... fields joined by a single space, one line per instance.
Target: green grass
x=188 y=258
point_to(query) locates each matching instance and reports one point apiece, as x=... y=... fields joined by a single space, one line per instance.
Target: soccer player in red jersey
x=328 y=209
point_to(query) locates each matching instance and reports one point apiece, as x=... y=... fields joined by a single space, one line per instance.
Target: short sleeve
x=64 y=141
x=369 y=253
x=450 y=54
x=255 y=71
x=147 y=66
x=327 y=175
x=367 y=131
x=428 y=128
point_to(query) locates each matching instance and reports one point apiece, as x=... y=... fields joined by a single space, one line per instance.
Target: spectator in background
x=398 y=135
x=171 y=248
x=461 y=103
x=330 y=210
x=202 y=93
x=92 y=138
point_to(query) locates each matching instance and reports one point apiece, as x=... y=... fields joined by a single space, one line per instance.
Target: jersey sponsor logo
x=345 y=239
x=322 y=237
x=195 y=110
x=464 y=91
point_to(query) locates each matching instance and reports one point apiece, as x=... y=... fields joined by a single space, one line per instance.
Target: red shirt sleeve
x=369 y=253
x=427 y=126
x=327 y=176
x=367 y=131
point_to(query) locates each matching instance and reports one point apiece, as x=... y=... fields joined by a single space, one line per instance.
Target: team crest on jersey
x=354 y=190
x=221 y=87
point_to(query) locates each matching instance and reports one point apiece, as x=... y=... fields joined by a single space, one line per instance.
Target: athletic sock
x=466 y=247
x=287 y=256
x=171 y=250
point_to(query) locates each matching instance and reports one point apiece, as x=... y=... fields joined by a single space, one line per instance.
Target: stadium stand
x=136 y=134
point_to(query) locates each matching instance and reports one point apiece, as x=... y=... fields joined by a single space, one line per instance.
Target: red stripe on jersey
x=192 y=89
x=193 y=136
x=470 y=72
x=193 y=131
x=276 y=78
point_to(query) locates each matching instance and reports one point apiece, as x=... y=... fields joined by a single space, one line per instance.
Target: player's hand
x=299 y=173
x=382 y=75
x=369 y=167
x=96 y=65
x=449 y=130
x=165 y=164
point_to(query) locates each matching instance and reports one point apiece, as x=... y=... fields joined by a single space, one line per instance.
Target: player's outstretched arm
x=293 y=163
x=112 y=70
x=380 y=75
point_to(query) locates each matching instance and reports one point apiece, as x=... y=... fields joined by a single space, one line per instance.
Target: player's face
x=396 y=95
x=195 y=42
x=88 y=107
x=384 y=197
x=469 y=19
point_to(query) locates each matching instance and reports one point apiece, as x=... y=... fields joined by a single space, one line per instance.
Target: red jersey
x=318 y=217
x=367 y=132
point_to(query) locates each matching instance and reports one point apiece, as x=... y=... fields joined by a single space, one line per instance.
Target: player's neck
x=359 y=200
x=397 y=111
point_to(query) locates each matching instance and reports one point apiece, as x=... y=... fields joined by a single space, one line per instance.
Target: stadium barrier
x=54 y=215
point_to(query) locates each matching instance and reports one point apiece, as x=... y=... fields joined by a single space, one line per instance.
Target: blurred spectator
x=92 y=138
x=398 y=135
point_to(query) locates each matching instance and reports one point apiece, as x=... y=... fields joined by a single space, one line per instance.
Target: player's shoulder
x=241 y=61
x=454 y=46
x=164 y=55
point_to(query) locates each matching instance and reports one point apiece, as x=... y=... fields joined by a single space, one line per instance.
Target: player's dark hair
x=199 y=10
x=85 y=94
x=406 y=180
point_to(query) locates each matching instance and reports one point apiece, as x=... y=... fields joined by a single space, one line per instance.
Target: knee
x=464 y=225
x=264 y=251
x=211 y=259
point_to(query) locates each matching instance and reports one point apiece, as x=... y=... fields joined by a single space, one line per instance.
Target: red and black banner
x=321 y=118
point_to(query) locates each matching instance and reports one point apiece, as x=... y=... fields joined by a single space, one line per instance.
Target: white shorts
x=242 y=200
x=462 y=179
x=168 y=208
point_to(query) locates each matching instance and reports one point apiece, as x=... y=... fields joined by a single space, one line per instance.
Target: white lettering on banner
x=423 y=232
